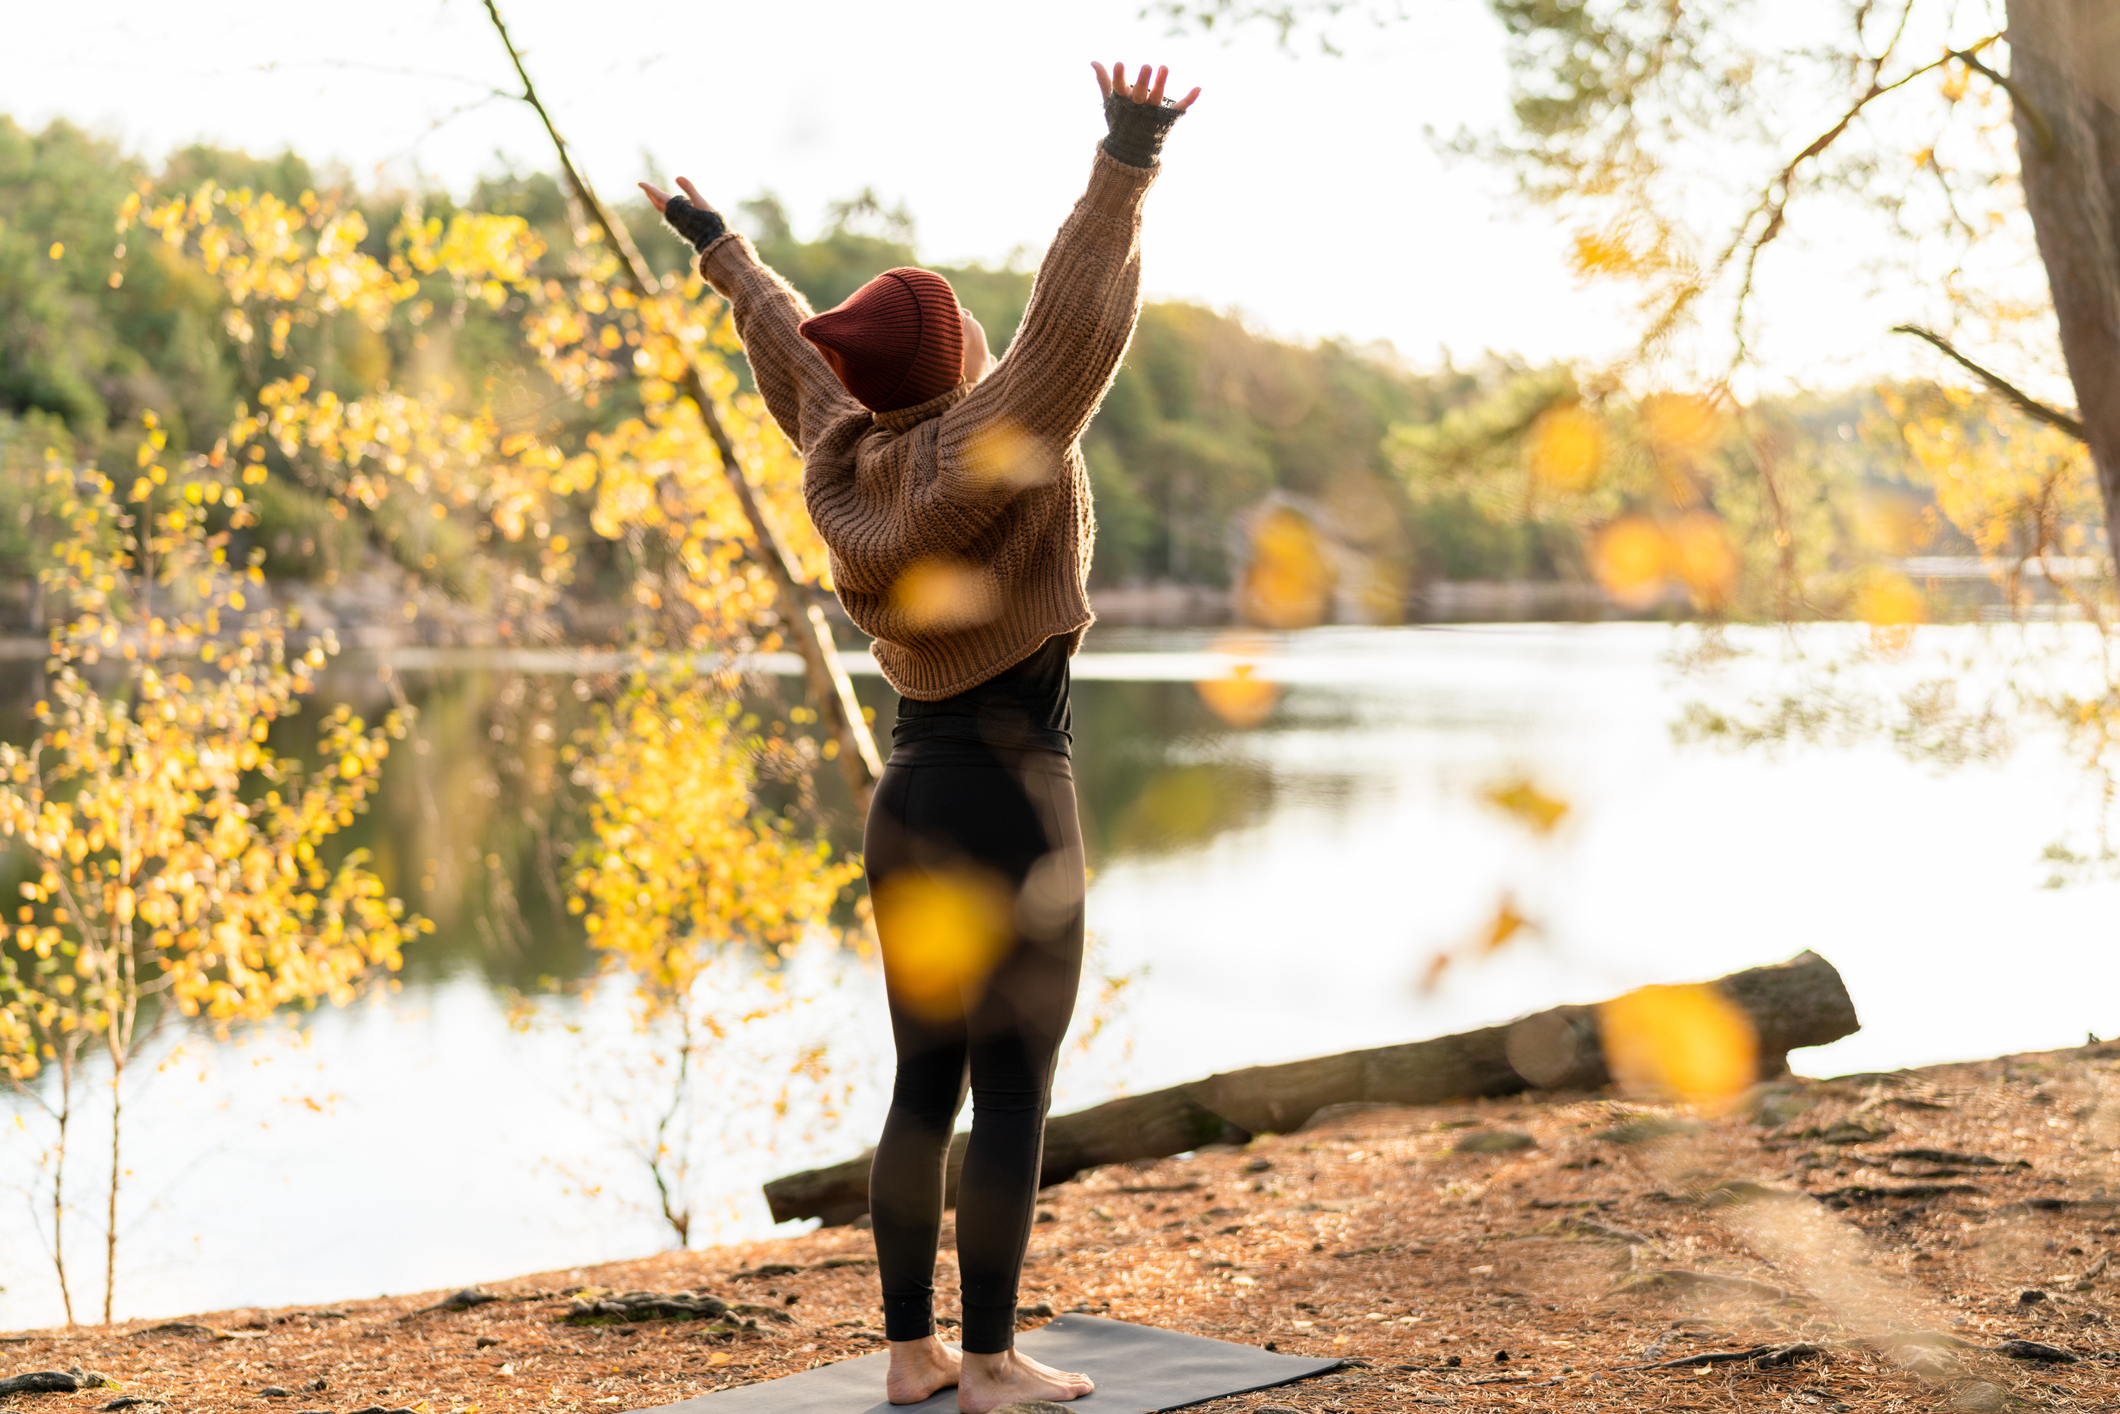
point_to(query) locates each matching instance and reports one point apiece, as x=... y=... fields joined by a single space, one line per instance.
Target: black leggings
x=975 y=869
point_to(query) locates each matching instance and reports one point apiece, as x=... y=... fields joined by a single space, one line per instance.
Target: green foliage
x=1206 y=418
x=1428 y=474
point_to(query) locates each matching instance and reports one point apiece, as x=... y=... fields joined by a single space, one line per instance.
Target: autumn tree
x=1685 y=140
x=176 y=865
x=339 y=337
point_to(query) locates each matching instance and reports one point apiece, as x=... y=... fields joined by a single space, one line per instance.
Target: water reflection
x=1284 y=885
x=478 y=814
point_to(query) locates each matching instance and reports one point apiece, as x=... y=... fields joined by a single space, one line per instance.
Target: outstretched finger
x=1119 y=78
x=1140 y=93
x=657 y=197
x=1104 y=82
x=1155 y=95
x=1187 y=101
x=692 y=193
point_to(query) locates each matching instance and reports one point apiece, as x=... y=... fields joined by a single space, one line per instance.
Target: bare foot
x=989 y=1381
x=918 y=1369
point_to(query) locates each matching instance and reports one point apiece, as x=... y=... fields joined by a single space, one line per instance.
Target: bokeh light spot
x=1631 y=558
x=1687 y=1041
x=1706 y=562
x=942 y=594
x=942 y=934
x=1240 y=697
x=1567 y=449
x=1290 y=578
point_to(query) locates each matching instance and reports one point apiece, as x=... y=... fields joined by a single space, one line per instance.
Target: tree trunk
x=806 y=630
x=1801 y=1002
x=2064 y=74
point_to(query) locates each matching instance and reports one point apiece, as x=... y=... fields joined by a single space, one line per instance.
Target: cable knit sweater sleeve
x=1025 y=415
x=800 y=390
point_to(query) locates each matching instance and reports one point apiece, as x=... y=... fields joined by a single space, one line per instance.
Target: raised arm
x=1083 y=303
x=799 y=389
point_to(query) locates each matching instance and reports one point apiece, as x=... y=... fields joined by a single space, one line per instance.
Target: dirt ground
x=1865 y=1242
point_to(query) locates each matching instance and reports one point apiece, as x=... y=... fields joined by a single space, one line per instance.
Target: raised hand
x=661 y=199
x=1143 y=91
x=692 y=217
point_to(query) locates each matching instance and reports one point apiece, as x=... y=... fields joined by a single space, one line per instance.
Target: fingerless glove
x=1137 y=129
x=701 y=227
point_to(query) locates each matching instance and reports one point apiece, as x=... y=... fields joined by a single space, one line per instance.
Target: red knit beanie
x=895 y=342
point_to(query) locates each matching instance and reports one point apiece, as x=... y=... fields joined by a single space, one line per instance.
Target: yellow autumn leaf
x=942 y=932
x=1522 y=800
x=1290 y=578
x=1631 y=559
x=945 y=594
x=1687 y=1041
x=1567 y=449
x=1703 y=558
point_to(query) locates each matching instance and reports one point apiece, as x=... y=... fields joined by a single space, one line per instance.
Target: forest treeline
x=1485 y=471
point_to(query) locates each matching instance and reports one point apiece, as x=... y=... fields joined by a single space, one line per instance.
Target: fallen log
x=1801 y=1002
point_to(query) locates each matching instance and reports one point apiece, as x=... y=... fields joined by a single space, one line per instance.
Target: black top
x=1025 y=706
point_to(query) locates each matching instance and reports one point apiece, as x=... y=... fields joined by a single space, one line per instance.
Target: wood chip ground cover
x=1582 y=1272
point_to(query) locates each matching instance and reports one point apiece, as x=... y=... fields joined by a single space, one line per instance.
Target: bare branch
x=808 y=632
x=2024 y=402
x=1775 y=196
x=2042 y=131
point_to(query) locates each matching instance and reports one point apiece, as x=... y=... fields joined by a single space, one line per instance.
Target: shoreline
x=1579 y=1235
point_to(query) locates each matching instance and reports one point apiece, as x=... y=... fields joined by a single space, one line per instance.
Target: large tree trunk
x=2065 y=85
x=1801 y=1002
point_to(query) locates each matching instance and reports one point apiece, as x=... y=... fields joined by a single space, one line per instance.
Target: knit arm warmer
x=801 y=392
x=1137 y=129
x=701 y=228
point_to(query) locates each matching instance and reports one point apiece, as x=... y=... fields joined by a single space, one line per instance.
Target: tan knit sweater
x=960 y=530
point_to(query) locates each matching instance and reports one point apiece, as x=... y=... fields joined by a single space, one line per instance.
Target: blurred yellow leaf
x=1701 y=553
x=1242 y=699
x=1290 y=579
x=1892 y=521
x=1505 y=924
x=1891 y=605
x=1887 y=600
x=1003 y=452
x=1179 y=805
x=1680 y=425
x=1631 y=558
x=1530 y=806
x=942 y=933
x=1432 y=974
x=1567 y=449
x=1689 y=1041
x=942 y=594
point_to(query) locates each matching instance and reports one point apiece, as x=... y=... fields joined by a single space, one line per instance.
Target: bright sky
x=1303 y=191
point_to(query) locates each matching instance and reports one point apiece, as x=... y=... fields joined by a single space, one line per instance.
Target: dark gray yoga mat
x=1137 y=1369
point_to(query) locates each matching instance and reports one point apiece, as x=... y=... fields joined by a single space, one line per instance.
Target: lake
x=1268 y=893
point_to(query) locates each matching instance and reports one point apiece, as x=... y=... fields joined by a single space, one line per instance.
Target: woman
x=952 y=495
